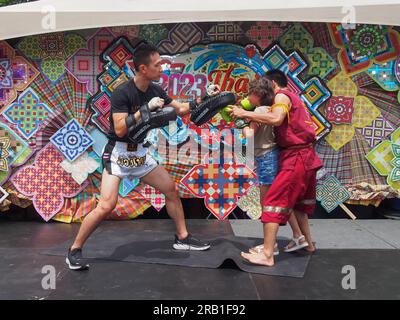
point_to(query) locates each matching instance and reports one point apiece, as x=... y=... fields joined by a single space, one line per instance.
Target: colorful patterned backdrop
x=55 y=101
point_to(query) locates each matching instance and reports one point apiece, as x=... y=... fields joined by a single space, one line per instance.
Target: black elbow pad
x=130 y=122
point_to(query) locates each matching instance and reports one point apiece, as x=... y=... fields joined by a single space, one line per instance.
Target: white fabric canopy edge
x=27 y=19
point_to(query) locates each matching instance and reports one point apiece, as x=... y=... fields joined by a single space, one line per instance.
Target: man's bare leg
x=108 y=200
x=160 y=179
x=270 y=233
x=302 y=219
x=294 y=225
x=263 y=191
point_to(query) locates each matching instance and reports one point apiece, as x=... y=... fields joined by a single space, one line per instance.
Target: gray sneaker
x=190 y=243
x=75 y=260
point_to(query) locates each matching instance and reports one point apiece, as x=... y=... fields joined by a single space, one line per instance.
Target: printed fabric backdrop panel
x=55 y=92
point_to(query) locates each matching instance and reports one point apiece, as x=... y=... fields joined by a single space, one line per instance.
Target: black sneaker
x=75 y=261
x=190 y=243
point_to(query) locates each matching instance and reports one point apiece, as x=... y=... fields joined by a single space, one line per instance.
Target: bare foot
x=258 y=259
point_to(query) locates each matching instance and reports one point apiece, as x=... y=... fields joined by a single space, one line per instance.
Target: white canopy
x=38 y=17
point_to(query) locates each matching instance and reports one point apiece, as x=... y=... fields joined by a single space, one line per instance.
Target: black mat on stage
x=147 y=246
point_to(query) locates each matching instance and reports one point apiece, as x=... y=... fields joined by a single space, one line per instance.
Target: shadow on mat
x=162 y=249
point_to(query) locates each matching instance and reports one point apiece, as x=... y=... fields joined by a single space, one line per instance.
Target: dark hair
x=278 y=76
x=262 y=88
x=142 y=54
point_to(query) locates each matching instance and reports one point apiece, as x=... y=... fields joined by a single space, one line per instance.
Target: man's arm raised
x=279 y=111
x=183 y=108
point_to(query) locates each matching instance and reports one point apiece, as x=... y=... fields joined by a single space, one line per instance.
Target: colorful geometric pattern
x=364 y=112
x=75 y=209
x=14 y=197
x=176 y=132
x=331 y=193
x=336 y=162
x=28 y=113
x=15 y=68
x=298 y=38
x=247 y=62
x=51 y=50
x=120 y=54
x=363 y=45
x=177 y=162
x=100 y=140
x=67 y=96
x=155 y=197
x=19 y=151
x=397 y=70
x=181 y=38
x=131 y=32
x=97 y=158
x=386 y=101
x=380 y=158
x=211 y=137
x=313 y=92
x=387 y=75
x=395 y=174
x=4 y=154
x=80 y=168
x=385 y=159
x=361 y=170
x=153 y=33
x=46 y=183
x=377 y=131
x=6 y=78
x=127 y=186
x=250 y=203
x=155 y=139
x=101 y=105
x=220 y=185
x=264 y=33
x=340 y=110
x=85 y=64
x=3 y=194
x=384 y=75
x=49 y=127
x=225 y=31
x=366 y=41
x=116 y=70
x=72 y=140
x=240 y=64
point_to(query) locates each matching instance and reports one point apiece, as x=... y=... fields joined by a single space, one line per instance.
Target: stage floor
x=372 y=247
